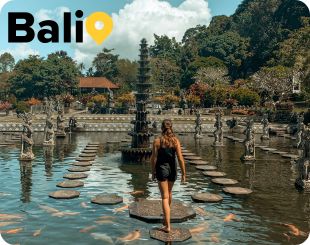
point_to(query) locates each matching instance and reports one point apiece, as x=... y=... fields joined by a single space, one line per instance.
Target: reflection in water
x=139 y=176
x=25 y=181
x=218 y=156
x=249 y=175
x=48 y=159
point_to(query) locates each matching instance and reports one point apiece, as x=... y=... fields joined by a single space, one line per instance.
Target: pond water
x=24 y=190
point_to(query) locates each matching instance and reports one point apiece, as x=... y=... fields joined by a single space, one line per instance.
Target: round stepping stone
x=85 y=159
x=70 y=184
x=64 y=194
x=89 y=151
x=151 y=211
x=206 y=197
x=192 y=158
x=175 y=235
x=87 y=155
x=224 y=181
x=280 y=152
x=79 y=169
x=186 y=151
x=82 y=164
x=198 y=162
x=75 y=176
x=188 y=154
x=94 y=143
x=214 y=174
x=237 y=190
x=109 y=199
x=206 y=168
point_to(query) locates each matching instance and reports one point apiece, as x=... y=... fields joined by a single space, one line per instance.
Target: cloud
x=47 y=14
x=143 y=18
x=2 y=3
x=21 y=51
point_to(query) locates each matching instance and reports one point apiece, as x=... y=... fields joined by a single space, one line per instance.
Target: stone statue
x=198 y=128
x=300 y=128
x=183 y=101
x=60 y=132
x=110 y=100
x=27 y=141
x=265 y=123
x=49 y=126
x=249 y=143
x=218 y=133
x=303 y=163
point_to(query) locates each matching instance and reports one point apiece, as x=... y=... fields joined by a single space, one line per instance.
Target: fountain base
x=136 y=154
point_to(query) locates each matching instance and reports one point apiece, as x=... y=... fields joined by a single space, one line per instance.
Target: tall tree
x=105 y=64
x=7 y=62
x=165 y=75
x=126 y=74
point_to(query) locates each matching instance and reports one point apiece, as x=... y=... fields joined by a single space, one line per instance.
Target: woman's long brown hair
x=168 y=138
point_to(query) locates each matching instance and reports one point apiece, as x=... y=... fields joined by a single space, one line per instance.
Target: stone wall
x=121 y=123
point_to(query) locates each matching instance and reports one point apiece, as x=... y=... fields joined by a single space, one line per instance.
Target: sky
x=133 y=20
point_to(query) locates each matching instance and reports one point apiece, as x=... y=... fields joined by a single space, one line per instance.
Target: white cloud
x=21 y=51
x=141 y=19
x=47 y=14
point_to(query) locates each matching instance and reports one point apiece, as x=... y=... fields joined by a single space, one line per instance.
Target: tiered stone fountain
x=140 y=150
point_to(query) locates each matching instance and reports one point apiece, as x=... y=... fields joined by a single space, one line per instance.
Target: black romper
x=166 y=166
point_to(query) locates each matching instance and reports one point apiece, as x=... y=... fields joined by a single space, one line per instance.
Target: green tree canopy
x=7 y=62
x=105 y=64
x=126 y=74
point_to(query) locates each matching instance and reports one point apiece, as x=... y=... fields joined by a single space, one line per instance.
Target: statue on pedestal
x=300 y=129
x=27 y=141
x=198 y=128
x=218 y=133
x=249 y=143
x=49 y=126
x=265 y=123
x=303 y=163
x=110 y=100
x=60 y=132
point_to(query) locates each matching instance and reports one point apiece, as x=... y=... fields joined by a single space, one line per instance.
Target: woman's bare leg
x=163 y=187
x=170 y=186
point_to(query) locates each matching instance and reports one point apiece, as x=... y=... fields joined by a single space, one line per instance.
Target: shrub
x=127 y=98
x=193 y=100
x=245 y=96
x=33 y=101
x=5 y=106
x=22 y=106
x=99 y=99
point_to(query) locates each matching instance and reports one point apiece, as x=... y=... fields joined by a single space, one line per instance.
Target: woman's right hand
x=183 y=178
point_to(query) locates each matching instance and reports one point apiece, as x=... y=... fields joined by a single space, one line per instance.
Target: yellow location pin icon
x=99 y=35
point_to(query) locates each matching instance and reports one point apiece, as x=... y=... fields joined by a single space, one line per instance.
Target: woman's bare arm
x=154 y=156
x=181 y=160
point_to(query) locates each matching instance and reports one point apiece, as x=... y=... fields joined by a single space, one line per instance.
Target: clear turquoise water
x=25 y=187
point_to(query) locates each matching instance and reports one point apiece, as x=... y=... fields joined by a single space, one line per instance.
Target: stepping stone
x=198 y=162
x=90 y=151
x=186 y=151
x=112 y=142
x=94 y=143
x=214 y=174
x=87 y=155
x=151 y=211
x=206 y=168
x=175 y=235
x=75 y=176
x=224 y=181
x=70 y=184
x=206 y=197
x=185 y=154
x=79 y=169
x=85 y=159
x=82 y=164
x=292 y=156
x=280 y=152
x=64 y=194
x=237 y=190
x=107 y=199
x=192 y=158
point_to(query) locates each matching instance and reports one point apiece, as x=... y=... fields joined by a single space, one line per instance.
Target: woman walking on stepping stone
x=164 y=167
